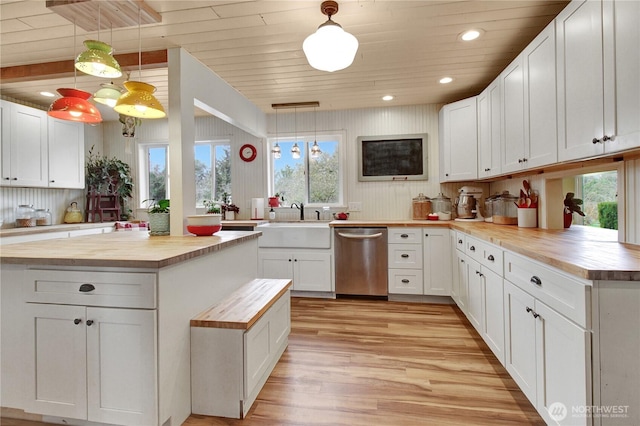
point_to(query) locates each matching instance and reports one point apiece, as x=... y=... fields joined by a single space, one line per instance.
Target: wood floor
x=363 y=362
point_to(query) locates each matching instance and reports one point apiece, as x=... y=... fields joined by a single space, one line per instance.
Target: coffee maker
x=468 y=204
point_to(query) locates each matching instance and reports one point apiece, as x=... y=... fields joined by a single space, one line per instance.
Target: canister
x=505 y=210
x=421 y=206
x=25 y=216
x=43 y=217
x=441 y=204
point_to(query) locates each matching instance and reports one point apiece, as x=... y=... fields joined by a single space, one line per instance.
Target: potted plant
x=109 y=176
x=274 y=201
x=159 y=215
x=212 y=207
x=229 y=209
x=571 y=205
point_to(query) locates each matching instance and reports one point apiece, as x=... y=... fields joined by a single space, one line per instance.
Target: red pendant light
x=74 y=106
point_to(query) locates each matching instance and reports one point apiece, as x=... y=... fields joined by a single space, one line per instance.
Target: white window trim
x=214 y=143
x=143 y=170
x=340 y=135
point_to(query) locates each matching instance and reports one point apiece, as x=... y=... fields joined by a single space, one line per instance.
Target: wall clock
x=248 y=152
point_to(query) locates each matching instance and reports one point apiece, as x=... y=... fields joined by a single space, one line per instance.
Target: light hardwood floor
x=364 y=362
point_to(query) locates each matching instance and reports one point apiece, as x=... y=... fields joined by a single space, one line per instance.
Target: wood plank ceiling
x=256 y=46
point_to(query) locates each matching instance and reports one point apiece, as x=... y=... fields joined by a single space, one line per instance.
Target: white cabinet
x=461 y=281
x=598 y=67
x=493 y=312
x=404 y=250
x=24 y=147
x=66 y=154
x=547 y=342
x=489 y=130
x=529 y=136
x=475 y=308
x=437 y=261
x=310 y=270
x=458 y=133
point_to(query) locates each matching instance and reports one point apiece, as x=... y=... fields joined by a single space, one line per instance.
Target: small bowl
x=204 y=220
x=203 y=230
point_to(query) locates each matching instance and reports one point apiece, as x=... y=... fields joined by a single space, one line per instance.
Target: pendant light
x=330 y=48
x=276 y=151
x=315 y=149
x=139 y=101
x=108 y=94
x=97 y=59
x=295 y=149
x=74 y=104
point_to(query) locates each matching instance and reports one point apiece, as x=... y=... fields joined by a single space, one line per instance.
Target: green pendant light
x=97 y=60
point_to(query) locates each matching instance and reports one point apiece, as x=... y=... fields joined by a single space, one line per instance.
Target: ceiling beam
x=110 y=14
x=127 y=61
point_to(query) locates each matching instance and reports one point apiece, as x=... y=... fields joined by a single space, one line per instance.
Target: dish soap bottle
x=272 y=214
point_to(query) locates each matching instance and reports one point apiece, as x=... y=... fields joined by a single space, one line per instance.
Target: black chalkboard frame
x=393 y=157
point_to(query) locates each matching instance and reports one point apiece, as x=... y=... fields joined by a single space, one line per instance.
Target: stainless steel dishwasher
x=361 y=261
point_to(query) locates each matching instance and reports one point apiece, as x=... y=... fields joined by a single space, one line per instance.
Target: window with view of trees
x=213 y=171
x=311 y=178
x=599 y=192
x=154 y=172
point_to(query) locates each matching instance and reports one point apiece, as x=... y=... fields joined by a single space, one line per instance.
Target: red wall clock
x=248 y=152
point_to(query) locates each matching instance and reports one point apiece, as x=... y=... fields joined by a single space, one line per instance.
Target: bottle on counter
x=272 y=214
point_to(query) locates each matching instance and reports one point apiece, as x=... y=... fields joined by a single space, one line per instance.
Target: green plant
x=109 y=176
x=158 y=206
x=212 y=206
x=608 y=214
x=572 y=205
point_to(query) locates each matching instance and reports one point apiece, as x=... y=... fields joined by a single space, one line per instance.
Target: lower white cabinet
x=548 y=356
x=310 y=270
x=461 y=281
x=437 y=261
x=475 y=306
x=91 y=363
x=493 y=314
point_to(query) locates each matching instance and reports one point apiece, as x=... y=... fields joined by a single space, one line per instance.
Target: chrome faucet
x=301 y=207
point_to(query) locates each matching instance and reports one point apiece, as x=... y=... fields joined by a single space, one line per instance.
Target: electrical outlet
x=355 y=206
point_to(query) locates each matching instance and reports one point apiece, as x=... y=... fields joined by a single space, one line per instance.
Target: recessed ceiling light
x=387 y=98
x=445 y=80
x=47 y=94
x=470 y=35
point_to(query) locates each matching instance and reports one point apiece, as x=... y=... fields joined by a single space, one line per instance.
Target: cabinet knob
x=486 y=170
x=7 y=178
x=446 y=174
x=89 y=322
x=472 y=248
x=426 y=235
x=529 y=309
x=77 y=321
x=295 y=260
x=404 y=236
x=14 y=179
x=536 y=315
x=290 y=260
x=405 y=281
x=52 y=181
x=459 y=241
x=520 y=160
x=606 y=138
x=596 y=140
x=491 y=258
x=535 y=280
x=404 y=255
x=85 y=288
x=524 y=160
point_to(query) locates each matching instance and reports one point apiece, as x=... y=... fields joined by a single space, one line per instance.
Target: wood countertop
x=121 y=249
x=13 y=232
x=584 y=251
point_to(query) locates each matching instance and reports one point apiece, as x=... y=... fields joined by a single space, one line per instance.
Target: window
x=310 y=179
x=599 y=192
x=154 y=172
x=213 y=171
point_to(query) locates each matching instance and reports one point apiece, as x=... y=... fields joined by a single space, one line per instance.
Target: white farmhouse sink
x=295 y=235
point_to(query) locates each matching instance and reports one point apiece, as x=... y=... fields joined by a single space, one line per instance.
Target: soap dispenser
x=272 y=214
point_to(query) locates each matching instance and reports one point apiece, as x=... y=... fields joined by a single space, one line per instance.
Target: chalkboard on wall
x=397 y=157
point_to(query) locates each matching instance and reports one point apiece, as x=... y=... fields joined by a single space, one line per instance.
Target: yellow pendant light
x=139 y=101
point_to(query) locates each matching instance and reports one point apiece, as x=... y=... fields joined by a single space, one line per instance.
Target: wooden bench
x=235 y=345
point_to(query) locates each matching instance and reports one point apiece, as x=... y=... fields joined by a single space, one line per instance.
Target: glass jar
x=43 y=217
x=505 y=210
x=421 y=206
x=441 y=204
x=25 y=216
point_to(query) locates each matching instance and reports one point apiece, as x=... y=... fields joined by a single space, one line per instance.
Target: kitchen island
x=117 y=350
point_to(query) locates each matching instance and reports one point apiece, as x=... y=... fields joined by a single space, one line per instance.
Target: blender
x=468 y=204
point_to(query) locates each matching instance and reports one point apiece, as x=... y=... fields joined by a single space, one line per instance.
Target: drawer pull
x=89 y=322
x=405 y=281
x=85 y=288
x=535 y=315
x=77 y=321
x=536 y=280
x=529 y=309
x=472 y=248
x=404 y=236
x=404 y=255
x=491 y=258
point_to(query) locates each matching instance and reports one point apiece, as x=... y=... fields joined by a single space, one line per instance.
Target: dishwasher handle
x=360 y=236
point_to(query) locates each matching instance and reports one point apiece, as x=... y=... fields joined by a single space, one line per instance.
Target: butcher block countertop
x=121 y=249
x=584 y=251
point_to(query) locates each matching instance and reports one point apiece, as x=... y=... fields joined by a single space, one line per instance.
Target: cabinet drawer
x=115 y=289
x=404 y=235
x=405 y=256
x=473 y=248
x=461 y=239
x=568 y=295
x=405 y=281
x=493 y=258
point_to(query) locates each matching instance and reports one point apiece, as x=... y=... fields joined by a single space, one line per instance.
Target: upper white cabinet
x=598 y=85
x=459 y=141
x=529 y=125
x=489 y=130
x=24 y=146
x=66 y=154
x=40 y=151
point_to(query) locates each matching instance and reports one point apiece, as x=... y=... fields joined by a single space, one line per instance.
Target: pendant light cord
x=139 y=47
x=75 y=71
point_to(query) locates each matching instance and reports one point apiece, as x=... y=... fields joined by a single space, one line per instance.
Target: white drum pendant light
x=330 y=48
